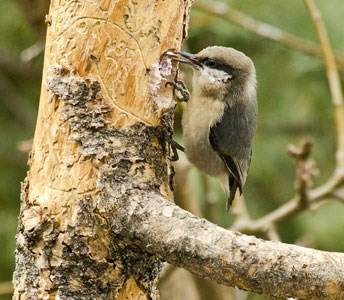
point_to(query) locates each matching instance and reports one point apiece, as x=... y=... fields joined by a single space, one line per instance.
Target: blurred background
x=294 y=105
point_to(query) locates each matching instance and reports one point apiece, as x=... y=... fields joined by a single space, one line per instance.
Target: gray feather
x=231 y=138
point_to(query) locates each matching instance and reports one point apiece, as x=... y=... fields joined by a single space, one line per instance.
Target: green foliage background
x=294 y=104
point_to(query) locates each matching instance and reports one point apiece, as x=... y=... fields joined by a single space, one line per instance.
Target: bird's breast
x=199 y=115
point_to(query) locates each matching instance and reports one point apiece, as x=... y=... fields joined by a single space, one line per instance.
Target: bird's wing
x=235 y=168
x=231 y=138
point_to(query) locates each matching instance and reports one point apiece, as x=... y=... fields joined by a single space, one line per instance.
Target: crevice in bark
x=129 y=163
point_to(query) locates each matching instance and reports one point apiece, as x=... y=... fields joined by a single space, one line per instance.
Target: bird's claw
x=180 y=91
x=174 y=147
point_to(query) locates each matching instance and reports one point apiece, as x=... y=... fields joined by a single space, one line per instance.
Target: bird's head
x=220 y=71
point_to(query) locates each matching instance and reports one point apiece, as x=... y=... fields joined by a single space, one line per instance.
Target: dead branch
x=263 y=29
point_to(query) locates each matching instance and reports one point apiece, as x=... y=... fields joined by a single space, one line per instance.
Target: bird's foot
x=175 y=146
x=180 y=91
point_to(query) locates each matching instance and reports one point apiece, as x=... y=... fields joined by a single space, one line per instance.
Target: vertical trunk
x=102 y=133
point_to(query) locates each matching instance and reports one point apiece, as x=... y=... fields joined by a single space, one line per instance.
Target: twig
x=302 y=200
x=314 y=197
x=305 y=170
x=233 y=15
x=338 y=195
x=273 y=234
x=264 y=224
x=333 y=80
x=29 y=54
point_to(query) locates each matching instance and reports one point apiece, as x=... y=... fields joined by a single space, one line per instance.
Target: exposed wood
x=102 y=120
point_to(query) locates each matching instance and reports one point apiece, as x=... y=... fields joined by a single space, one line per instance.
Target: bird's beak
x=184 y=57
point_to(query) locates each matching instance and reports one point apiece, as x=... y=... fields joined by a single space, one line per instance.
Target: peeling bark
x=104 y=125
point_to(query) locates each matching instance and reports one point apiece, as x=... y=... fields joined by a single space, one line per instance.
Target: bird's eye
x=211 y=63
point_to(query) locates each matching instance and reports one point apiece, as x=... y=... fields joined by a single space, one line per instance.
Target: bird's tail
x=233 y=186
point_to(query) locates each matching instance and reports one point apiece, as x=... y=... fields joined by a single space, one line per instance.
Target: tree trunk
x=102 y=139
x=95 y=222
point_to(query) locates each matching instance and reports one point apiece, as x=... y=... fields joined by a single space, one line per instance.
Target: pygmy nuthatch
x=220 y=118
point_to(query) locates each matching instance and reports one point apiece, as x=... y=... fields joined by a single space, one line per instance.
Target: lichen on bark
x=79 y=252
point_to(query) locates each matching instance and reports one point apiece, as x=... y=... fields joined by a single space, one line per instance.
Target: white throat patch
x=215 y=75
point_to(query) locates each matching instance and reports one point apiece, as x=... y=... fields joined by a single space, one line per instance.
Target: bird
x=220 y=117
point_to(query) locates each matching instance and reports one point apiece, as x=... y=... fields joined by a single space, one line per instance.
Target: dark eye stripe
x=218 y=65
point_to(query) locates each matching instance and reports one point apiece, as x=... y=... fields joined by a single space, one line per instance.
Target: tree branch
x=302 y=200
x=231 y=258
x=306 y=198
x=265 y=30
x=333 y=80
